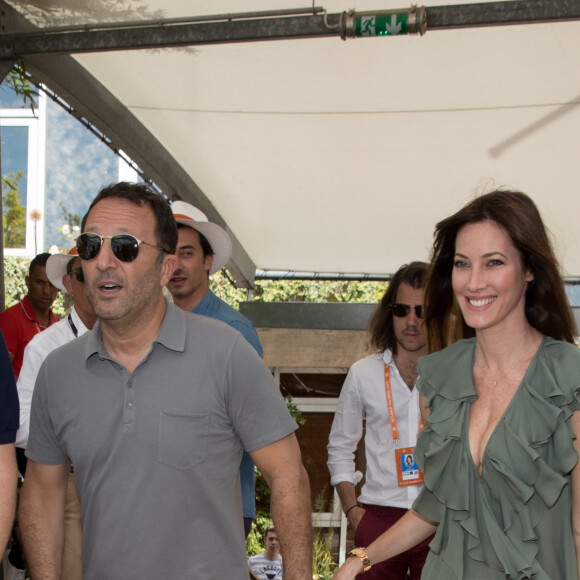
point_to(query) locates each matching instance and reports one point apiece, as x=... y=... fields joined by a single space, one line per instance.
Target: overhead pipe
x=320 y=276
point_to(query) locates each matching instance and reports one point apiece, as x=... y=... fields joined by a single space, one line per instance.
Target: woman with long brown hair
x=499 y=452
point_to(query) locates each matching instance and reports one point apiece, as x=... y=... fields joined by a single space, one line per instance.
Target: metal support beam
x=502 y=13
x=5 y=67
x=161 y=35
x=229 y=29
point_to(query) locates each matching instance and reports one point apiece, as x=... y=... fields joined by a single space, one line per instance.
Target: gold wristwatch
x=361 y=554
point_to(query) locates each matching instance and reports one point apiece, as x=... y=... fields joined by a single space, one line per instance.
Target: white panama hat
x=220 y=242
x=57 y=264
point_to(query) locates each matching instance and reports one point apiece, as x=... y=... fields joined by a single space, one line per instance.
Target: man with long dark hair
x=381 y=388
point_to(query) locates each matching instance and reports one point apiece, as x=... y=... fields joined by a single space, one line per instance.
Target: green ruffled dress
x=514 y=520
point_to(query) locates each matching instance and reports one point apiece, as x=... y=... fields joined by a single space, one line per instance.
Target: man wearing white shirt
x=381 y=389
x=64 y=271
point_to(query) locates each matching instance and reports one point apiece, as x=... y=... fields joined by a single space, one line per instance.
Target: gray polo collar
x=171 y=334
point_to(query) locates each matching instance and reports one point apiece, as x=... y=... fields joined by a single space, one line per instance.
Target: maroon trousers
x=378 y=519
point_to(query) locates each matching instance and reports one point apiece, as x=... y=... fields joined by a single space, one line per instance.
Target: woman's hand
x=349 y=570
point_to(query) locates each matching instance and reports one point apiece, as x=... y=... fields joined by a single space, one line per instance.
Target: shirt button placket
x=129 y=411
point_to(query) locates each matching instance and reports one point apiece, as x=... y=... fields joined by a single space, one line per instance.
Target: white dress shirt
x=34 y=354
x=363 y=395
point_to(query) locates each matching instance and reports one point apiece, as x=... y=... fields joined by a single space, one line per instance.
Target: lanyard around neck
x=72 y=325
x=391 y=407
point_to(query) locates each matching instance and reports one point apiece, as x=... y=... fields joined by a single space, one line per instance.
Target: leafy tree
x=14 y=216
x=18 y=80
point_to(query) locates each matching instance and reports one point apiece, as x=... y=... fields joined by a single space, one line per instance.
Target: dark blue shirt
x=215 y=307
x=9 y=407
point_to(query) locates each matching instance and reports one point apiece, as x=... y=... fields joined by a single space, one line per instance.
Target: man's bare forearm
x=291 y=513
x=41 y=519
x=281 y=466
x=347 y=494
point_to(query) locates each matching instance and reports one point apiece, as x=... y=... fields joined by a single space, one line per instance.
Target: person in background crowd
x=500 y=449
x=154 y=410
x=31 y=315
x=268 y=564
x=19 y=324
x=204 y=248
x=389 y=374
x=64 y=271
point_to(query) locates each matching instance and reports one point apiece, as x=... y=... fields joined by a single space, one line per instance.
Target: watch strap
x=361 y=554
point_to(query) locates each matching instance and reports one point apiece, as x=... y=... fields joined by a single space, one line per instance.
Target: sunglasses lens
x=88 y=246
x=401 y=310
x=125 y=247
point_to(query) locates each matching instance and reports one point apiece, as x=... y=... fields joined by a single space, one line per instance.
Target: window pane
x=14 y=159
x=78 y=165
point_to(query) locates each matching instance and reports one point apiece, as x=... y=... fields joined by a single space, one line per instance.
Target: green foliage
x=221 y=285
x=255 y=541
x=323 y=565
x=14 y=213
x=15 y=270
x=298 y=291
x=295 y=411
x=318 y=291
x=18 y=80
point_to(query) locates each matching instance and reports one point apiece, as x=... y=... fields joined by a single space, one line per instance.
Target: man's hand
x=355 y=515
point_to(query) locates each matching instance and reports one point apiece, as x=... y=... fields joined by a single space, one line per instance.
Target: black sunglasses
x=78 y=272
x=125 y=247
x=402 y=310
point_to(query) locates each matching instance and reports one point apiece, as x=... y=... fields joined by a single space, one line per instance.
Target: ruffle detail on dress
x=493 y=517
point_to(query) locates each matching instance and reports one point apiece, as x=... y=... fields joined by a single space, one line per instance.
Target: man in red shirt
x=21 y=322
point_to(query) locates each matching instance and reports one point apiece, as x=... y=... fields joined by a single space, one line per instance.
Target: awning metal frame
x=228 y=28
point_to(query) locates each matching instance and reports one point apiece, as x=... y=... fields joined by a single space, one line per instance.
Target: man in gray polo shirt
x=154 y=408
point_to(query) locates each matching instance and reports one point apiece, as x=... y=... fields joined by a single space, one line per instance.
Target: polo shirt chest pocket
x=182 y=439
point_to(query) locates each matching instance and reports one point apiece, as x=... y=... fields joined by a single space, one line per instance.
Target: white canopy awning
x=331 y=156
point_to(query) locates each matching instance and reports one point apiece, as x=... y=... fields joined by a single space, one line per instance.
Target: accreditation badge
x=408 y=472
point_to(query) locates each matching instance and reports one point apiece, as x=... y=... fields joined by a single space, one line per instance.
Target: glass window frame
x=35 y=172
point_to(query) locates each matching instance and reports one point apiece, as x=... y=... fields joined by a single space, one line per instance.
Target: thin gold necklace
x=495 y=381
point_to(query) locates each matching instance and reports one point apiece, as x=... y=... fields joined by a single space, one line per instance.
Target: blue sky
x=78 y=164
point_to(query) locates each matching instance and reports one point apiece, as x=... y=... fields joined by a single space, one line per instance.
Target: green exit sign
x=381 y=24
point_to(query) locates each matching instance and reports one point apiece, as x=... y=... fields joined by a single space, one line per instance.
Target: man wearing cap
x=65 y=273
x=204 y=248
x=31 y=315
